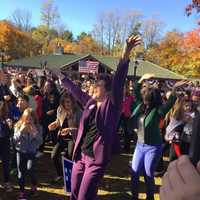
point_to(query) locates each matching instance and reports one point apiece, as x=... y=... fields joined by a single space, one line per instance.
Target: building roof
x=52 y=60
x=62 y=61
x=143 y=68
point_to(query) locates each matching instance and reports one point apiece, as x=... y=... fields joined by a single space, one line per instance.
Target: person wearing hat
x=147 y=116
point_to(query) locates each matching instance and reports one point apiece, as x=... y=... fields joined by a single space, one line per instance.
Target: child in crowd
x=28 y=138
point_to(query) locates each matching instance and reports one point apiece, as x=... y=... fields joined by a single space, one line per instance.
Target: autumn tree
x=178 y=52
x=82 y=35
x=55 y=44
x=193 y=6
x=44 y=35
x=15 y=43
x=70 y=47
x=168 y=52
x=191 y=46
x=84 y=44
x=67 y=36
x=192 y=39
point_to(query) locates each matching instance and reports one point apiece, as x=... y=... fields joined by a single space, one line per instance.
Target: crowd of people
x=82 y=118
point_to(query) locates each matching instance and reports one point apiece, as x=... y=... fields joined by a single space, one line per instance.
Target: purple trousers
x=145 y=159
x=86 y=177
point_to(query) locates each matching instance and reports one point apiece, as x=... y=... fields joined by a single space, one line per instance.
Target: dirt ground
x=115 y=185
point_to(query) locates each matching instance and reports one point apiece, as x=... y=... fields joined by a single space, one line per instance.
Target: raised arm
x=122 y=70
x=137 y=92
x=163 y=110
x=75 y=90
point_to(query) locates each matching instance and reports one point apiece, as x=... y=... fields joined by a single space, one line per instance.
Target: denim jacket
x=26 y=142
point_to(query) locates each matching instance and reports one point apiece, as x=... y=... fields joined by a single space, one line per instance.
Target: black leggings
x=5 y=157
x=124 y=124
x=60 y=146
x=185 y=148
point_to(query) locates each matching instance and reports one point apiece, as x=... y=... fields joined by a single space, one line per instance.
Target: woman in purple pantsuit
x=98 y=125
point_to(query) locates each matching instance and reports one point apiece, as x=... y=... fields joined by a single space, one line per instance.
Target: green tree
x=82 y=35
x=68 y=36
x=44 y=35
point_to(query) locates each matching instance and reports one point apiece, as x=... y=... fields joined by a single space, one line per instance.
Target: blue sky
x=80 y=15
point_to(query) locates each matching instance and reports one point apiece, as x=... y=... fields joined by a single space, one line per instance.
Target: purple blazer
x=107 y=115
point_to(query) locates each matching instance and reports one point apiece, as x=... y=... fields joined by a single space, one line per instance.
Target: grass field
x=115 y=185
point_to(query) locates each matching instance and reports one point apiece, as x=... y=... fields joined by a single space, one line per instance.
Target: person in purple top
x=98 y=126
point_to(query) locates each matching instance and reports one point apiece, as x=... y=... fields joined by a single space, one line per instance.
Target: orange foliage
x=192 y=39
x=16 y=43
x=69 y=47
x=85 y=45
x=178 y=52
x=194 y=5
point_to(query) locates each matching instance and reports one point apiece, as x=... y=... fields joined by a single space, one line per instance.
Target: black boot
x=134 y=195
x=150 y=197
x=134 y=198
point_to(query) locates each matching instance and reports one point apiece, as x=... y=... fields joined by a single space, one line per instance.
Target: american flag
x=88 y=66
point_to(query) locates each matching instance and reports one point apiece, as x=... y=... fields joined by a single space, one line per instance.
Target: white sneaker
x=39 y=154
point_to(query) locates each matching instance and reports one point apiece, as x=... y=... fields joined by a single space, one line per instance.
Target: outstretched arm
x=122 y=70
x=75 y=90
x=163 y=110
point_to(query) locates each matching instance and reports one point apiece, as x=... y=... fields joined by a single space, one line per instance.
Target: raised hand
x=179 y=85
x=131 y=43
x=57 y=72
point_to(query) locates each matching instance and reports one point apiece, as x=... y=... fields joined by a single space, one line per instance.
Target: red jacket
x=126 y=105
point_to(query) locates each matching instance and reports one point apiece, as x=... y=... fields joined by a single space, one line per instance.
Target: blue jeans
x=145 y=159
x=26 y=162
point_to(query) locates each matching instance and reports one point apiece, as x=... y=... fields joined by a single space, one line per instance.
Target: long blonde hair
x=24 y=118
x=176 y=112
